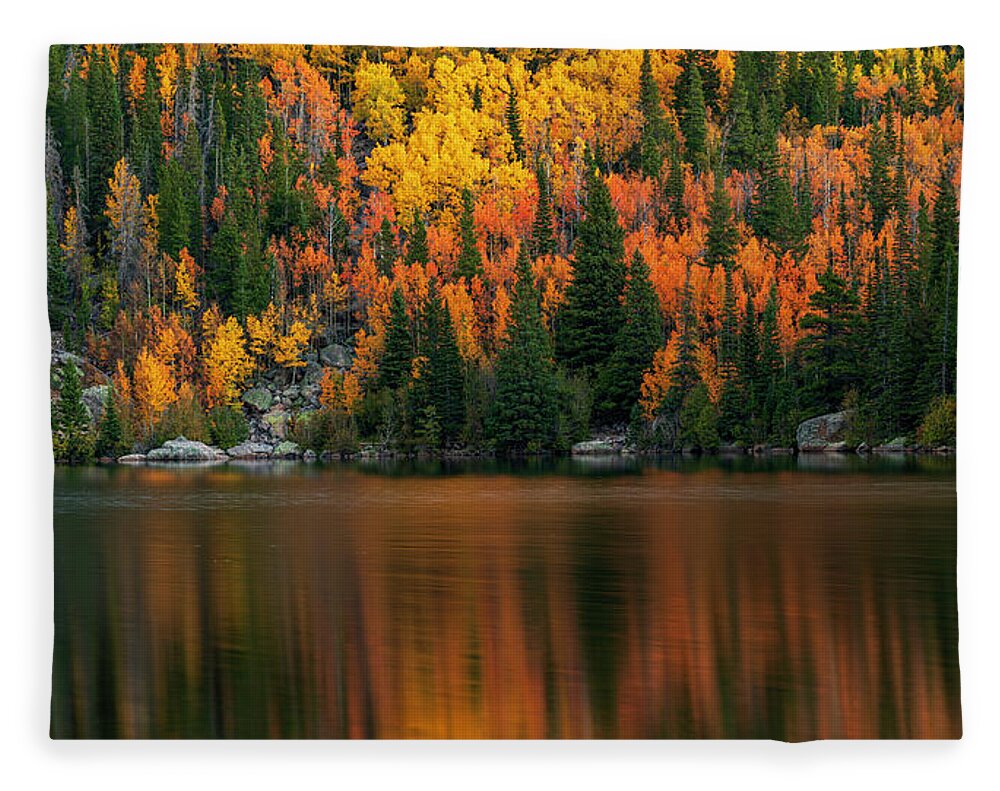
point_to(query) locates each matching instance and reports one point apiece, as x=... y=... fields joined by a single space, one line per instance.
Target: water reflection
x=682 y=599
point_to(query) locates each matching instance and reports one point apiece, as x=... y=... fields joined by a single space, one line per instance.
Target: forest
x=503 y=250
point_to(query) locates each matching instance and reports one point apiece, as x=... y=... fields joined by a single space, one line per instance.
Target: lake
x=792 y=599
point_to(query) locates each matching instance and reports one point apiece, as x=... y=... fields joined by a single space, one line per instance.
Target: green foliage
x=525 y=414
x=575 y=404
x=386 y=248
x=654 y=127
x=939 y=426
x=543 y=240
x=71 y=435
x=397 y=359
x=416 y=248
x=444 y=374
x=637 y=340
x=470 y=262
x=699 y=421
x=513 y=119
x=227 y=426
x=111 y=441
x=185 y=417
x=692 y=117
x=592 y=313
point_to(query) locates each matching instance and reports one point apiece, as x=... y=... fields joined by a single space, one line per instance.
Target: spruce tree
x=513 y=119
x=592 y=313
x=543 y=240
x=470 y=262
x=943 y=285
x=110 y=434
x=105 y=138
x=525 y=409
x=445 y=375
x=730 y=399
x=386 y=248
x=722 y=234
x=740 y=144
x=397 y=359
x=774 y=213
x=878 y=186
x=684 y=372
x=416 y=248
x=70 y=420
x=637 y=341
x=654 y=127
x=693 y=124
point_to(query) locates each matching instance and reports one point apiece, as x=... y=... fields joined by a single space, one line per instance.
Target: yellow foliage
x=657 y=380
x=263 y=332
x=227 y=364
x=378 y=100
x=289 y=347
x=153 y=388
x=184 y=281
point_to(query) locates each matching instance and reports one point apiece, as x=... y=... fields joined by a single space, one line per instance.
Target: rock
x=898 y=445
x=595 y=447
x=337 y=355
x=94 y=398
x=277 y=422
x=313 y=374
x=132 y=458
x=290 y=393
x=183 y=449
x=258 y=398
x=824 y=433
x=287 y=450
x=309 y=456
x=250 y=450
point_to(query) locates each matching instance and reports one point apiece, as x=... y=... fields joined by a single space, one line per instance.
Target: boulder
x=309 y=456
x=337 y=355
x=94 y=398
x=258 y=398
x=250 y=450
x=595 y=447
x=287 y=450
x=183 y=449
x=277 y=422
x=824 y=433
x=313 y=374
x=132 y=458
x=898 y=445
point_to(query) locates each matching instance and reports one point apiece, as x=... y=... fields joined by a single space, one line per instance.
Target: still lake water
x=789 y=599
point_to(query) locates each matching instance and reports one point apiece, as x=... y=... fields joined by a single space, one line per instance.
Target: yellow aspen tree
x=289 y=347
x=227 y=364
x=184 y=281
x=153 y=389
x=263 y=334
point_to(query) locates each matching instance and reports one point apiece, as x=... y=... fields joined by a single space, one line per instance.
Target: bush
x=939 y=424
x=575 y=405
x=699 y=420
x=184 y=417
x=227 y=426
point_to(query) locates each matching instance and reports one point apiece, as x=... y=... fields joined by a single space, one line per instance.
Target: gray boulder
x=337 y=355
x=309 y=456
x=824 y=433
x=277 y=423
x=249 y=450
x=258 y=398
x=897 y=445
x=94 y=398
x=183 y=449
x=595 y=447
x=132 y=458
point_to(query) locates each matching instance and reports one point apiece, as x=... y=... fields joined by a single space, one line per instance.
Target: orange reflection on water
x=707 y=604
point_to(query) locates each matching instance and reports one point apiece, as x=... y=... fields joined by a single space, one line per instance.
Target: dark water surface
x=797 y=599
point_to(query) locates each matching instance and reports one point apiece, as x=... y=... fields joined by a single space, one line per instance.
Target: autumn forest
x=509 y=251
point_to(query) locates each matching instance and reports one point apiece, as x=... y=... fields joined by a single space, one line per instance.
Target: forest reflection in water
x=795 y=599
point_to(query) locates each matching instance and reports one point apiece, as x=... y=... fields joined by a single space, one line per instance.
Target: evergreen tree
x=943 y=286
x=386 y=248
x=730 y=400
x=674 y=188
x=878 y=186
x=748 y=375
x=525 y=409
x=543 y=240
x=470 y=262
x=592 y=313
x=445 y=375
x=637 y=341
x=774 y=214
x=110 y=435
x=722 y=234
x=397 y=359
x=692 y=118
x=70 y=420
x=740 y=144
x=830 y=352
x=416 y=248
x=176 y=208
x=105 y=138
x=513 y=118
x=683 y=374
x=654 y=127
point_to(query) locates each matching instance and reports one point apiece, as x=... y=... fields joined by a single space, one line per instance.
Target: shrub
x=227 y=426
x=939 y=424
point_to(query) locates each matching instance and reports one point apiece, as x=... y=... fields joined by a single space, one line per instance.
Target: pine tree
x=740 y=144
x=386 y=248
x=445 y=375
x=110 y=435
x=692 y=117
x=774 y=214
x=830 y=353
x=176 y=208
x=878 y=186
x=748 y=375
x=722 y=234
x=525 y=414
x=416 y=248
x=543 y=240
x=730 y=400
x=105 y=138
x=637 y=341
x=397 y=359
x=592 y=313
x=674 y=188
x=654 y=127
x=683 y=374
x=513 y=118
x=470 y=262
x=943 y=285
x=70 y=420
